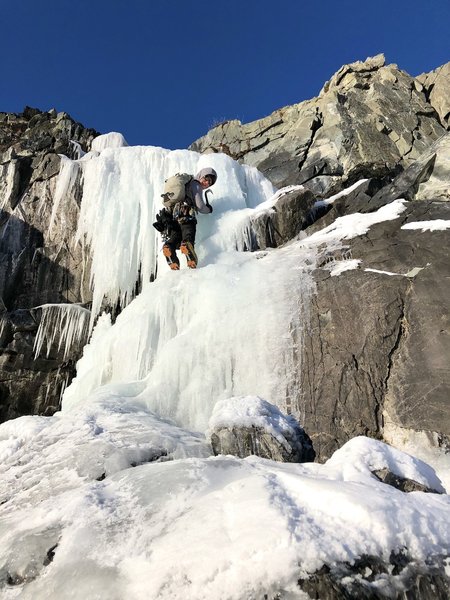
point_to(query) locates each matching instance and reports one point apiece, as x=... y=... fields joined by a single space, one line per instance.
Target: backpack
x=175 y=189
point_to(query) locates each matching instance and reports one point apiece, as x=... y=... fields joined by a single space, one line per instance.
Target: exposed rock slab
x=290 y=214
x=404 y=484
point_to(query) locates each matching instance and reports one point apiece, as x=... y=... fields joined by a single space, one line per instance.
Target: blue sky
x=162 y=72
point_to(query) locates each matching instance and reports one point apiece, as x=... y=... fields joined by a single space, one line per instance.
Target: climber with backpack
x=177 y=221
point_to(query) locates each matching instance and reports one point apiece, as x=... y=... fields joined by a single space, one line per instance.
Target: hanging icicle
x=62 y=326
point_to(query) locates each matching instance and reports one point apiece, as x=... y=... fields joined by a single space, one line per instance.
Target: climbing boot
x=171 y=257
x=187 y=248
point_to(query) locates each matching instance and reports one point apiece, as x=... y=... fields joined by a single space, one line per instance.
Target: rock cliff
x=39 y=263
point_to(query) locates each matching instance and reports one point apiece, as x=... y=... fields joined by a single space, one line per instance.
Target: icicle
x=63 y=387
x=77 y=150
x=67 y=175
x=9 y=179
x=61 y=325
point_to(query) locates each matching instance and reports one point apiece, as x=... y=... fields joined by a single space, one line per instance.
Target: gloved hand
x=163 y=219
x=158 y=224
x=165 y=216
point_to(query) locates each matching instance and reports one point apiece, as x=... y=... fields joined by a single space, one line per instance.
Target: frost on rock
x=249 y=425
x=62 y=327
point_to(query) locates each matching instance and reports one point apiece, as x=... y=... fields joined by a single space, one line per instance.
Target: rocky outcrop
x=292 y=211
x=404 y=484
x=436 y=85
x=39 y=263
x=377 y=339
x=355 y=128
x=246 y=426
x=398 y=578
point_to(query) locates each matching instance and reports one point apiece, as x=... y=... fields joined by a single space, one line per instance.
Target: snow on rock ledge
x=108 y=140
x=248 y=425
x=362 y=458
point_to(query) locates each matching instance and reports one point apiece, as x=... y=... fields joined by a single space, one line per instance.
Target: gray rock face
x=353 y=129
x=436 y=85
x=379 y=342
x=39 y=262
x=38 y=351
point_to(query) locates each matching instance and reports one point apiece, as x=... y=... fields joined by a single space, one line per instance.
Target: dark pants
x=177 y=233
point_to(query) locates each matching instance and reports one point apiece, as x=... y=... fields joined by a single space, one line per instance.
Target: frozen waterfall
x=191 y=338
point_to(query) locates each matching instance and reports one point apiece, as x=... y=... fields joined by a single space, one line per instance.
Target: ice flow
x=190 y=338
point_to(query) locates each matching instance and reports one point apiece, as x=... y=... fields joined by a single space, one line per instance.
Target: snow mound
x=152 y=531
x=359 y=457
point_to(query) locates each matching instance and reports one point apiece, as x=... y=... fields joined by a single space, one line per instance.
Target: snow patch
x=435 y=225
x=150 y=531
x=382 y=272
x=361 y=455
x=341 y=194
x=356 y=224
x=343 y=265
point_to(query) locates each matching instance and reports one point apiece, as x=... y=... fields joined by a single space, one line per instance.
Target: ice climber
x=177 y=221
